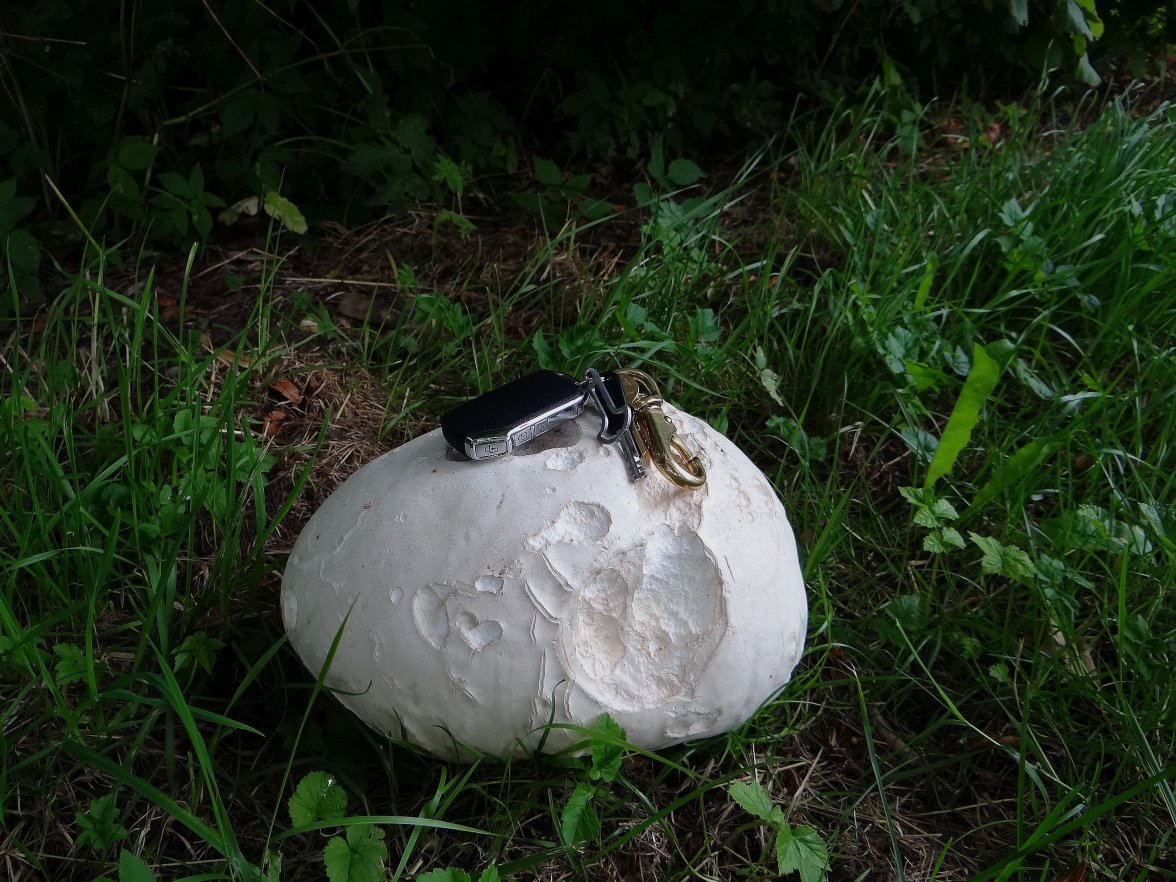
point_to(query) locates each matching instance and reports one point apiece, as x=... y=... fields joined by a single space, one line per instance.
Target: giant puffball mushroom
x=480 y=601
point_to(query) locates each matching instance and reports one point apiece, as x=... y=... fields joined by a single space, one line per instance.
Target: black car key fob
x=497 y=422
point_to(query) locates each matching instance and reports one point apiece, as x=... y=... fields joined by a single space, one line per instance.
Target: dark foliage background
x=152 y=116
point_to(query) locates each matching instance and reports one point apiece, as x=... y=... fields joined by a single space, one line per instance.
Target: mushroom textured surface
x=483 y=600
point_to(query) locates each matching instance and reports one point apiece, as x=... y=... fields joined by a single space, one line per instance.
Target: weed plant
x=957 y=369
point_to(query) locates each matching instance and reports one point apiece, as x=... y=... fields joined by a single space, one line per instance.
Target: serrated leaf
x=1004 y=560
x=606 y=752
x=358 y=858
x=490 y=874
x=133 y=869
x=933 y=542
x=754 y=799
x=802 y=850
x=318 y=797
x=683 y=172
x=284 y=212
x=908 y=611
x=915 y=495
x=249 y=206
x=943 y=540
x=197 y=648
x=579 y=821
x=944 y=510
x=100 y=827
x=71 y=663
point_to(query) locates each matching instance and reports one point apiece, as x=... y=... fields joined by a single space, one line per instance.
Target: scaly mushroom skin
x=489 y=598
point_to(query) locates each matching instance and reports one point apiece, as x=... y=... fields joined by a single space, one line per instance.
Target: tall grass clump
x=1000 y=592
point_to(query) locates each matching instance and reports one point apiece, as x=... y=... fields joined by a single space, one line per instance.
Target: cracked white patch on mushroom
x=480 y=601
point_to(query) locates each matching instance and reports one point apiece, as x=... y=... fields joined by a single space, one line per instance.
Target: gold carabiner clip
x=656 y=434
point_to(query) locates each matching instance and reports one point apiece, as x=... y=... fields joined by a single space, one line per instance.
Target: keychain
x=628 y=401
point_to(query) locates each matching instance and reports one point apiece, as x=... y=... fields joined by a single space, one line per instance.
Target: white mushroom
x=489 y=598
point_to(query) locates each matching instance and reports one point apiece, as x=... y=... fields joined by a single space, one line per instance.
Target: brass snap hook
x=656 y=433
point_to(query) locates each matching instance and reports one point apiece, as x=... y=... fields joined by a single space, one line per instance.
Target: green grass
x=1001 y=710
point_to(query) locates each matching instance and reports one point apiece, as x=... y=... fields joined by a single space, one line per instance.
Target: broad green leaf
x=768 y=377
x=683 y=172
x=1077 y=19
x=490 y=874
x=22 y=251
x=577 y=184
x=936 y=514
x=1019 y=9
x=908 y=611
x=124 y=187
x=284 y=212
x=754 y=799
x=925 y=376
x=179 y=219
x=1086 y=72
x=71 y=663
x=238 y=113
x=770 y=380
x=1004 y=560
x=197 y=648
x=318 y=797
x=176 y=185
x=133 y=869
x=579 y=821
x=1038 y=386
x=594 y=209
x=358 y=858
x=607 y=749
x=1092 y=17
x=965 y=415
x=944 y=540
x=1093 y=528
x=801 y=850
x=202 y=221
x=136 y=154
x=548 y=173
